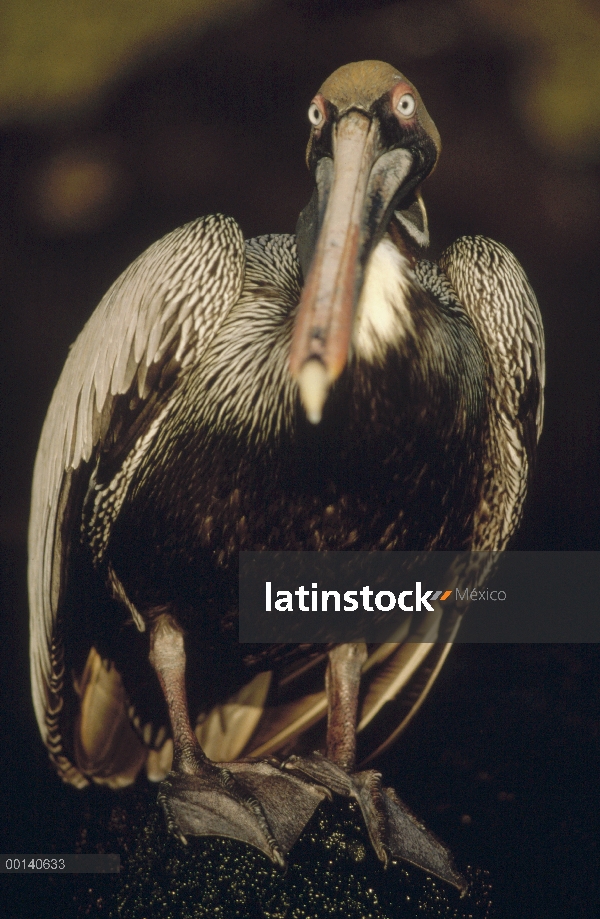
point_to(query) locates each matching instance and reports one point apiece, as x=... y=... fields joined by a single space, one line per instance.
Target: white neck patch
x=383 y=318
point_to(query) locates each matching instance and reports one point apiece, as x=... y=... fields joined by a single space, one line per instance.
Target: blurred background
x=120 y=121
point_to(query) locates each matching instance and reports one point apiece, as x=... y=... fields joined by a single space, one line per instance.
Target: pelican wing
x=155 y=321
x=494 y=290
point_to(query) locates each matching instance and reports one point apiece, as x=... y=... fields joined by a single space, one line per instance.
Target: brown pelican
x=332 y=390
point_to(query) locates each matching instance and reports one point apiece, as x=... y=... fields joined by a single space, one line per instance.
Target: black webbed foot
x=393 y=830
x=253 y=802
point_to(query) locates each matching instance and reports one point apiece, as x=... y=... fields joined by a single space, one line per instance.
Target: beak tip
x=313 y=383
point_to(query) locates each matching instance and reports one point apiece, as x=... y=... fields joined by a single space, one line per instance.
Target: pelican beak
x=356 y=193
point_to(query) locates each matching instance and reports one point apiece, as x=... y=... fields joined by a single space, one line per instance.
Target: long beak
x=362 y=188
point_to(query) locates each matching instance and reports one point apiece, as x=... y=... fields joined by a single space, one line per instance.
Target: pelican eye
x=315 y=115
x=407 y=105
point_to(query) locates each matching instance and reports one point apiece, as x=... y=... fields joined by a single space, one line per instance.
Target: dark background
x=204 y=109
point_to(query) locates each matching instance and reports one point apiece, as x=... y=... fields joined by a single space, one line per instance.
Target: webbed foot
x=254 y=802
x=393 y=830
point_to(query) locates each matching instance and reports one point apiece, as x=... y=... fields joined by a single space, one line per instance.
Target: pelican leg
x=254 y=802
x=394 y=832
x=342 y=683
x=167 y=656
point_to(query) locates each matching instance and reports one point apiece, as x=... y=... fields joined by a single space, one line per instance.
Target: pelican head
x=372 y=143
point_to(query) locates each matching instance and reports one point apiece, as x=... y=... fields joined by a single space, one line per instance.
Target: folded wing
x=155 y=321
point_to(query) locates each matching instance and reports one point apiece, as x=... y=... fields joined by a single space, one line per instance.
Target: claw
x=164 y=801
x=370 y=795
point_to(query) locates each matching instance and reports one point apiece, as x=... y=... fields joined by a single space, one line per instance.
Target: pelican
x=329 y=390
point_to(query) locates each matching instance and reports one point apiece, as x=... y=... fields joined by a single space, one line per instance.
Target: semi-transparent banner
x=308 y=597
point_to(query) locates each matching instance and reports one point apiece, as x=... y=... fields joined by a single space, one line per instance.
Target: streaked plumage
x=176 y=437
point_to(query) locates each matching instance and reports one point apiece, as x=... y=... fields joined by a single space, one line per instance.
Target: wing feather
x=494 y=291
x=176 y=293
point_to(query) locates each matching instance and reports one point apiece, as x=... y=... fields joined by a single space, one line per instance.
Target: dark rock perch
x=332 y=872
